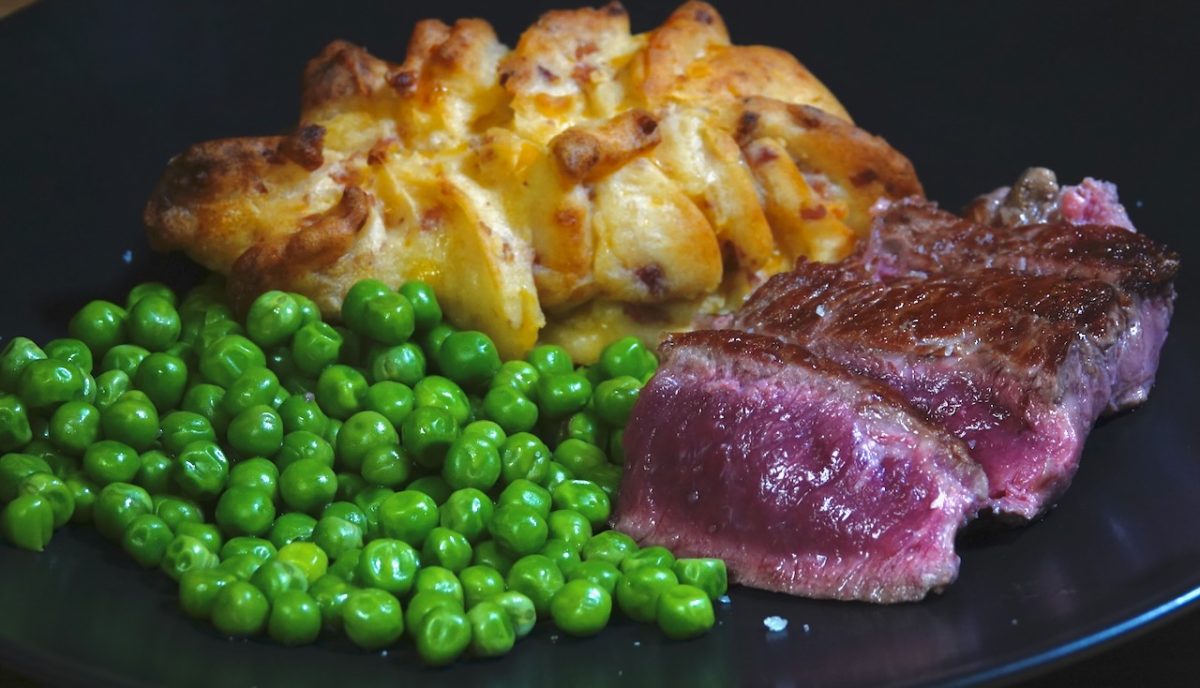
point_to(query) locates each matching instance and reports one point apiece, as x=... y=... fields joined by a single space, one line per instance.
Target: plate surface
x=98 y=95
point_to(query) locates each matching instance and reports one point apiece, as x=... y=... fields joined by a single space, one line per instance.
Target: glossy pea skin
x=427 y=434
x=336 y=536
x=361 y=433
x=257 y=431
x=141 y=291
x=28 y=522
x=45 y=383
x=372 y=618
x=308 y=557
x=240 y=610
x=273 y=317
x=614 y=399
x=585 y=426
x=132 y=420
x=276 y=576
x=228 y=357
x=257 y=386
x=205 y=400
x=489 y=553
x=15 y=467
x=198 y=590
x=471 y=463
x=300 y=445
x=242 y=566
x=438 y=579
x=291 y=527
x=163 y=378
x=527 y=492
x=423 y=602
x=518 y=375
x=330 y=593
x=341 y=391
x=256 y=547
x=442 y=392
x=315 y=346
x=201 y=470
x=387 y=465
x=153 y=323
x=307 y=485
x=369 y=500
x=569 y=526
x=408 y=516
x=468 y=357
x=125 y=358
x=442 y=636
x=485 y=431
x=538 y=578
x=392 y=400
x=110 y=385
x=550 y=359
x=518 y=529
x=346 y=566
x=684 y=611
x=145 y=540
x=467 y=511
x=117 y=505
x=245 y=511
x=519 y=609
x=581 y=608
x=578 y=456
x=492 y=633
x=389 y=565
x=706 y=574
x=156 y=472
x=599 y=572
x=427 y=312
x=387 y=319
x=434 y=486
x=638 y=591
x=563 y=555
x=611 y=546
x=480 y=583
x=654 y=556
x=15 y=431
x=524 y=455
x=70 y=351
x=560 y=395
x=295 y=619
x=14 y=358
x=185 y=553
x=84 y=493
x=627 y=356
x=302 y=414
x=433 y=338
x=175 y=511
x=361 y=293
x=347 y=511
x=206 y=533
x=404 y=364
x=446 y=548
x=99 y=324
x=52 y=489
x=74 y=426
x=181 y=428
x=257 y=473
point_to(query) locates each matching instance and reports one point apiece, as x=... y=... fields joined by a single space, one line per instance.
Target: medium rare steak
x=805 y=478
x=1017 y=366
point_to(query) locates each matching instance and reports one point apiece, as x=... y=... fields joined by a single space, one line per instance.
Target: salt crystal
x=775 y=624
x=127 y=256
x=724 y=599
x=807 y=629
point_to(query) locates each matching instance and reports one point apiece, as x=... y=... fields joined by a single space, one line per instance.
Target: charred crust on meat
x=304 y=147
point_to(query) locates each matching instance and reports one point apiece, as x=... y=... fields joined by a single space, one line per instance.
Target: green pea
x=341 y=391
x=389 y=565
x=125 y=358
x=332 y=431
x=316 y=346
x=562 y=554
x=145 y=289
x=615 y=398
x=257 y=473
x=181 y=428
x=228 y=357
x=442 y=635
x=175 y=511
x=469 y=358
x=708 y=575
x=616 y=447
x=509 y=408
x=369 y=500
x=578 y=456
x=467 y=511
x=446 y=548
x=536 y=577
x=84 y=494
x=240 y=610
x=480 y=583
x=655 y=556
x=638 y=591
x=488 y=553
x=255 y=547
x=201 y=470
x=277 y=576
x=185 y=553
x=354 y=304
x=387 y=318
x=257 y=386
x=273 y=317
x=303 y=445
x=14 y=358
x=569 y=526
x=361 y=433
x=28 y=522
x=408 y=516
x=109 y=461
x=346 y=565
x=110 y=385
x=433 y=485
x=518 y=529
x=684 y=611
x=423 y=602
x=73 y=427
x=257 y=431
x=404 y=364
x=54 y=490
x=242 y=566
x=307 y=485
x=337 y=536
x=581 y=608
x=347 y=512
x=14 y=468
x=387 y=465
x=153 y=323
x=492 y=633
x=584 y=497
x=15 y=431
x=598 y=572
x=372 y=618
x=163 y=378
x=245 y=511
x=302 y=414
x=307 y=308
x=46 y=383
x=100 y=325
x=146 y=539
x=292 y=527
x=550 y=359
x=471 y=463
x=206 y=533
x=438 y=579
x=427 y=312
x=132 y=420
x=309 y=557
x=393 y=400
x=218 y=323
x=627 y=356
x=206 y=400
x=432 y=341
x=156 y=472
x=295 y=619
x=524 y=455
x=70 y=351
x=330 y=592
x=527 y=492
x=607 y=477
x=519 y=609
x=198 y=590
x=562 y=394
x=519 y=376
x=611 y=546
x=427 y=434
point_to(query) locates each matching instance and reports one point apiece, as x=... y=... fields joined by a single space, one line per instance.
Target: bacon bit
x=810 y=213
x=571 y=218
x=864 y=177
x=405 y=82
x=704 y=16
x=505 y=76
x=646 y=123
x=583 y=73
x=432 y=219
x=763 y=155
x=379 y=152
x=260 y=187
x=547 y=74
x=747 y=123
x=585 y=50
x=653 y=277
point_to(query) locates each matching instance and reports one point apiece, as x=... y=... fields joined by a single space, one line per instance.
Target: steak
x=805 y=478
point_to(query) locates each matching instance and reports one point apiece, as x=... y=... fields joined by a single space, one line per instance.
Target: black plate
x=97 y=96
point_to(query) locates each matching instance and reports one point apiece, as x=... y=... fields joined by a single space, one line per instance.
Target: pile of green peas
x=385 y=478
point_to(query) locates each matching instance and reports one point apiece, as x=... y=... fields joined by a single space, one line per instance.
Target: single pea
x=307 y=308
x=156 y=472
x=438 y=579
x=538 y=578
x=524 y=455
x=361 y=433
x=550 y=359
x=153 y=323
x=110 y=385
x=216 y=327
x=372 y=618
x=316 y=346
x=336 y=536
x=201 y=470
x=257 y=431
x=73 y=427
x=404 y=364
x=185 y=553
x=425 y=601
x=519 y=609
x=295 y=619
x=330 y=592
x=492 y=633
x=228 y=357
x=562 y=554
x=442 y=635
x=256 y=386
x=257 y=473
x=346 y=565
x=607 y=477
x=146 y=539
x=273 y=317
x=615 y=398
x=638 y=591
x=46 y=383
x=446 y=548
x=206 y=400
x=28 y=522
x=84 y=493
x=369 y=500
x=427 y=312
x=684 y=611
x=518 y=529
x=433 y=485
x=485 y=431
x=53 y=490
x=141 y=291
x=341 y=391
x=578 y=456
x=488 y=553
x=181 y=428
x=480 y=583
x=132 y=420
x=125 y=358
x=469 y=358
x=599 y=572
x=302 y=445
x=655 y=556
x=245 y=511
x=175 y=511
x=354 y=304
x=408 y=516
x=240 y=610
x=70 y=351
x=14 y=358
x=109 y=461
x=291 y=527
x=281 y=362
x=100 y=325
x=509 y=408
x=387 y=465
x=611 y=546
x=393 y=400
x=441 y=392
x=300 y=413
x=389 y=565
x=706 y=574
x=242 y=566
x=387 y=319
x=307 y=485
x=527 y=492
x=520 y=376
x=309 y=557
x=467 y=511
x=433 y=338
x=258 y=548
x=198 y=590
x=276 y=576
x=581 y=608
x=471 y=463
x=206 y=533
x=570 y=526
x=584 y=497
x=427 y=434
x=14 y=468
x=163 y=378
x=561 y=394
x=627 y=356
x=347 y=511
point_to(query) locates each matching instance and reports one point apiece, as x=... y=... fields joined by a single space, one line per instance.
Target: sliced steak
x=803 y=477
x=1014 y=365
x=914 y=238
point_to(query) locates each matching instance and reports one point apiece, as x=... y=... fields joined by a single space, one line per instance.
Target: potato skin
x=589 y=181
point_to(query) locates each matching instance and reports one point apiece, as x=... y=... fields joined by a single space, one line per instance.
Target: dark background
x=96 y=96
